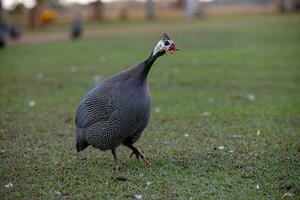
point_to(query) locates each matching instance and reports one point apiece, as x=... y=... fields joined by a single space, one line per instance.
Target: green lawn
x=232 y=79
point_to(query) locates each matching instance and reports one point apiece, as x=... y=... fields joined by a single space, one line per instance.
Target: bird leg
x=117 y=162
x=138 y=154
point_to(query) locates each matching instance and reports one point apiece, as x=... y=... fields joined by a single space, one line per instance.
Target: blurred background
x=22 y=16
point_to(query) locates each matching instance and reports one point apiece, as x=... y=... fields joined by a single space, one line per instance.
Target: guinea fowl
x=2 y=35
x=117 y=110
x=14 y=31
x=76 y=29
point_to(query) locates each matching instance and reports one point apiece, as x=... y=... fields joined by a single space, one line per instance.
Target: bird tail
x=81 y=142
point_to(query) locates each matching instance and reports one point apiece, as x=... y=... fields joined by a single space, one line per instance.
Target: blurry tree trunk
x=287 y=5
x=97 y=10
x=1 y=13
x=179 y=4
x=149 y=10
x=2 y=27
x=123 y=12
x=192 y=8
x=32 y=18
x=33 y=14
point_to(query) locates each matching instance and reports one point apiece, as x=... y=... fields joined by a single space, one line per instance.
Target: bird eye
x=166 y=42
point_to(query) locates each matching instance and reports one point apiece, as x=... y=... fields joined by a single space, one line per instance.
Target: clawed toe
x=139 y=155
x=146 y=160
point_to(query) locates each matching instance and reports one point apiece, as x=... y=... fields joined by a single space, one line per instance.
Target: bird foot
x=146 y=160
x=138 y=154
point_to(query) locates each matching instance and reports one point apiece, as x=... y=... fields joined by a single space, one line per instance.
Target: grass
x=203 y=95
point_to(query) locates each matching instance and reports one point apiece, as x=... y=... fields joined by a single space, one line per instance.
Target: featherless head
x=165 y=46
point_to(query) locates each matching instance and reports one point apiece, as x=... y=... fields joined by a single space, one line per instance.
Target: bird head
x=164 y=46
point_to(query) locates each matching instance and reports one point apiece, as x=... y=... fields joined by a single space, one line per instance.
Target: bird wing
x=95 y=107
